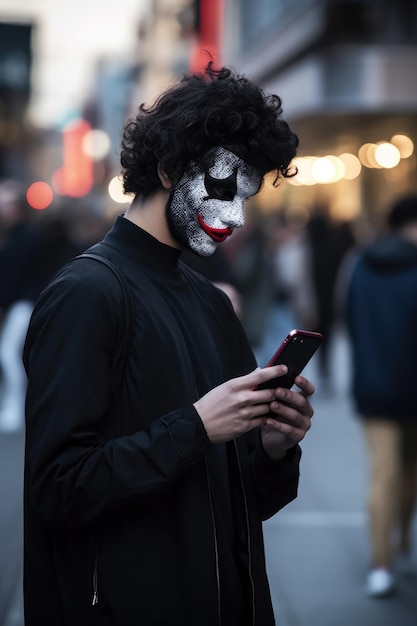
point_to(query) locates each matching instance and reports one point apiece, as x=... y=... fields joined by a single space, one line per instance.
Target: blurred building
x=15 y=71
x=346 y=71
x=64 y=96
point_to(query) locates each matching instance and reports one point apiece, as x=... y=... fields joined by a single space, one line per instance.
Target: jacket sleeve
x=275 y=482
x=75 y=477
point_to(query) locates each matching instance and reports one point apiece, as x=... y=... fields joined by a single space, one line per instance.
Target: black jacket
x=381 y=314
x=123 y=516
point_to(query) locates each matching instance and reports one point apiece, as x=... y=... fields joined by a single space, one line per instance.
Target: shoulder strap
x=128 y=304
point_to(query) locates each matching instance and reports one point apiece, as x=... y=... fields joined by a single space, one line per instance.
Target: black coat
x=381 y=315
x=122 y=517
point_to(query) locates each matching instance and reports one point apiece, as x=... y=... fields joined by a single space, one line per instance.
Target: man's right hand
x=237 y=406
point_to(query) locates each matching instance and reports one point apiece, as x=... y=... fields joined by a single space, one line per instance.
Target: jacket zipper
x=94 y=601
x=213 y=520
x=215 y=544
x=248 y=531
x=95 y=581
x=95 y=571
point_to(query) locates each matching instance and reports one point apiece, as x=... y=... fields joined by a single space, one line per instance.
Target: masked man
x=144 y=504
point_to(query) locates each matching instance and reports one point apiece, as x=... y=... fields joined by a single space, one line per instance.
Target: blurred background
x=72 y=73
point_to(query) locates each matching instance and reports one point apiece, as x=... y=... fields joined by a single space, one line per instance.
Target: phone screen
x=295 y=352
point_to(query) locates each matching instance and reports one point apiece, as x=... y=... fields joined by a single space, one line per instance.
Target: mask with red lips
x=207 y=202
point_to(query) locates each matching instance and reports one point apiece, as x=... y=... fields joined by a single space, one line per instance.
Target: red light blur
x=209 y=36
x=76 y=177
x=39 y=195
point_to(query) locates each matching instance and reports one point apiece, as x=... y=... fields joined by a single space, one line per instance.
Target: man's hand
x=237 y=406
x=292 y=420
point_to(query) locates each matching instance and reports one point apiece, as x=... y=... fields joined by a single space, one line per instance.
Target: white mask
x=207 y=202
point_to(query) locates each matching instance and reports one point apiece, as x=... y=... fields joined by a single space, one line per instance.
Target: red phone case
x=295 y=352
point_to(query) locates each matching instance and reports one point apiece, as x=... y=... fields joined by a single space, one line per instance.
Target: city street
x=317 y=547
x=11 y=478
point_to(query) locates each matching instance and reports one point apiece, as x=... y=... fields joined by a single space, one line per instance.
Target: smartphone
x=295 y=352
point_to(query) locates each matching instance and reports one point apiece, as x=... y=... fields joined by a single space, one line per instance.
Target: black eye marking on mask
x=221 y=188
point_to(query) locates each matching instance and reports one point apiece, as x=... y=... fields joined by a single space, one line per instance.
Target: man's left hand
x=292 y=420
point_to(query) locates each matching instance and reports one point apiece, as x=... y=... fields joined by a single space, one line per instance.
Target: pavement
x=11 y=528
x=317 y=547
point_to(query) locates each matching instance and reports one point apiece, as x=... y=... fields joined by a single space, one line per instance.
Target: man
x=381 y=313
x=144 y=504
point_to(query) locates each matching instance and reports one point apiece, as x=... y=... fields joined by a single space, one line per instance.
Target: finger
x=292 y=398
x=293 y=419
x=249 y=394
x=262 y=375
x=292 y=433
x=290 y=414
x=291 y=405
x=259 y=411
x=305 y=385
x=263 y=395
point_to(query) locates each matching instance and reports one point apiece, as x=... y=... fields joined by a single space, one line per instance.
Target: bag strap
x=129 y=310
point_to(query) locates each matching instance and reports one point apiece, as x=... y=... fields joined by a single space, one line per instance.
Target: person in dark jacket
x=381 y=314
x=33 y=248
x=148 y=475
x=20 y=242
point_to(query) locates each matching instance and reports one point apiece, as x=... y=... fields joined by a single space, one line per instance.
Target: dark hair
x=216 y=108
x=403 y=212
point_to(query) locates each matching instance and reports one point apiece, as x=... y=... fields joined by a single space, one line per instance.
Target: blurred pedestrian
x=381 y=314
x=293 y=303
x=144 y=501
x=329 y=243
x=19 y=245
x=247 y=257
x=33 y=247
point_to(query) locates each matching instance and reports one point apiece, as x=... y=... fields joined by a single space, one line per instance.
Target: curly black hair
x=214 y=108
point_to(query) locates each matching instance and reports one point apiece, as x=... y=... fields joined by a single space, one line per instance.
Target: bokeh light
x=96 y=143
x=323 y=170
x=39 y=195
x=366 y=155
x=387 y=155
x=404 y=145
x=312 y=170
x=352 y=165
x=328 y=169
x=304 y=175
x=116 y=192
x=77 y=175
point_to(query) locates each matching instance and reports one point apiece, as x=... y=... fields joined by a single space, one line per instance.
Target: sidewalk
x=11 y=479
x=317 y=547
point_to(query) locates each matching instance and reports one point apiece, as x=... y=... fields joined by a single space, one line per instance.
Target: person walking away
x=381 y=313
x=34 y=247
x=20 y=246
x=330 y=242
x=293 y=303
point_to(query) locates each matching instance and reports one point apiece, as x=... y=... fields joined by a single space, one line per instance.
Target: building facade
x=345 y=70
